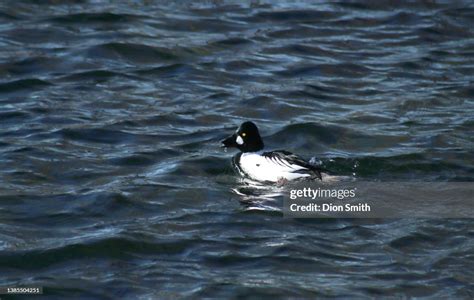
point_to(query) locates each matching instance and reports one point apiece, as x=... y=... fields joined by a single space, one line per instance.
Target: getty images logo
x=322 y=193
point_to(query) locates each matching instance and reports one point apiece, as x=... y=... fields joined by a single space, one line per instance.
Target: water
x=113 y=185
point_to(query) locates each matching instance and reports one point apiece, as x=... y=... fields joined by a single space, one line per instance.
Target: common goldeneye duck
x=273 y=166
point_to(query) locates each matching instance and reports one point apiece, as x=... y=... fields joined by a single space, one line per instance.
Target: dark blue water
x=113 y=185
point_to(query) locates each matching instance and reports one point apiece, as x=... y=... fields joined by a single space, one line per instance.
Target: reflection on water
x=255 y=195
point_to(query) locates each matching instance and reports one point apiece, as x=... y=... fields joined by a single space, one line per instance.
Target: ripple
x=12 y=116
x=92 y=75
x=102 y=17
x=136 y=53
x=25 y=85
x=342 y=70
x=115 y=248
x=298 y=16
x=97 y=135
x=35 y=66
x=233 y=42
x=167 y=70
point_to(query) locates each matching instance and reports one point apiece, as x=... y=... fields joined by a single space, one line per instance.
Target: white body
x=262 y=168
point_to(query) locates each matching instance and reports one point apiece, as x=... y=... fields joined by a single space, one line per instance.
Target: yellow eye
x=244 y=134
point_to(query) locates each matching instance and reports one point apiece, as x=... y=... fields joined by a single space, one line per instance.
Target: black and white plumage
x=272 y=166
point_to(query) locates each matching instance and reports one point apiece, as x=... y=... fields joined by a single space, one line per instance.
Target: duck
x=277 y=166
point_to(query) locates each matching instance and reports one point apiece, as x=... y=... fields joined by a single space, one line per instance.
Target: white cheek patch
x=239 y=140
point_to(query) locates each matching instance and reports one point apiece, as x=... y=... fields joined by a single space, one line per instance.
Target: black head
x=246 y=138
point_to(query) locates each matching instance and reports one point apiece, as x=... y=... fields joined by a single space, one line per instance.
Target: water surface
x=113 y=185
